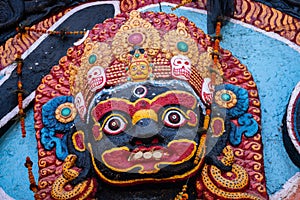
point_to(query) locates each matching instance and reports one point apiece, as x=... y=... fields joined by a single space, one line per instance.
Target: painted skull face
x=96 y=78
x=145 y=132
x=207 y=90
x=181 y=67
x=80 y=105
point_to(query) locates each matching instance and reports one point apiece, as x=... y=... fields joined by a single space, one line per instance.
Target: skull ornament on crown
x=181 y=67
x=207 y=91
x=96 y=78
x=80 y=105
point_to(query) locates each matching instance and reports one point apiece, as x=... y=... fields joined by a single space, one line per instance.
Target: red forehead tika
x=169 y=98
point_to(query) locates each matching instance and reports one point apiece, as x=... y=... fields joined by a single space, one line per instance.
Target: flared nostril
x=144 y=128
x=143 y=122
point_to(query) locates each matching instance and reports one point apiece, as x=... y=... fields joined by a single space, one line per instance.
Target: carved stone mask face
x=139 y=71
x=181 y=67
x=96 y=78
x=145 y=129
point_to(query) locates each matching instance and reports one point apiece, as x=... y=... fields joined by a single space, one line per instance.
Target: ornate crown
x=138 y=55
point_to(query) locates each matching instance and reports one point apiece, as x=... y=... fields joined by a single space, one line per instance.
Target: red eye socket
x=186 y=63
x=174 y=118
x=178 y=62
x=114 y=125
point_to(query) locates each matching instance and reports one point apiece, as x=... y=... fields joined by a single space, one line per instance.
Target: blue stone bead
x=182 y=46
x=65 y=112
x=92 y=59
x=225 y=97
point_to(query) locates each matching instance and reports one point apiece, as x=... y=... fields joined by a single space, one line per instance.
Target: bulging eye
x=114 y=125
x=174 y=118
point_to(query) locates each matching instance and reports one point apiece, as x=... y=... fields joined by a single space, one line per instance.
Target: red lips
x=149 y=159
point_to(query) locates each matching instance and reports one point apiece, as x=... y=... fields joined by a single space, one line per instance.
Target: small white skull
x=80 y=105
x=181 y=67
x=96 y=78
x=207 y=91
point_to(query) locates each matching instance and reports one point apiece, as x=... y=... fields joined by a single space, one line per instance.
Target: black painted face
x=144 y=131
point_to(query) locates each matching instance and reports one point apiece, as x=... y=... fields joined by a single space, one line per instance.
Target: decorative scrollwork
x=81 y=190
x=180 y=42
x=135 y=32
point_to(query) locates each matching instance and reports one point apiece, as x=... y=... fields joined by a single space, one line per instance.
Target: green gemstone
x=92 y=59
x=137 y=55
x=182 y=46
x=65 y=112
x=225 y=97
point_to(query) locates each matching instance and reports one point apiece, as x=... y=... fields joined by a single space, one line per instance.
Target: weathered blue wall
x=276 y=71
x=275 y=68
x=13 y=152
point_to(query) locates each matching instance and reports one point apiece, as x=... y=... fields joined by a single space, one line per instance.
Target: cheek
x=146 y=70
x=97 y=132
x=132 y=71
x=193 y=118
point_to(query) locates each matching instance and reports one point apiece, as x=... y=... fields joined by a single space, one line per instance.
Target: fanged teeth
x=138 y=155
x=147 y=155
x=157 y=154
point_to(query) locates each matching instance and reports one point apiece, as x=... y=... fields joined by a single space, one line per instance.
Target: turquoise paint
x=182 y=46
x=276 y=71
x=275 y=68
x=92 y=59
x=14 y=150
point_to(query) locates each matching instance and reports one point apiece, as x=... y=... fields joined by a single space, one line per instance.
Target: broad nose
x=144 y=122
x=145 y=128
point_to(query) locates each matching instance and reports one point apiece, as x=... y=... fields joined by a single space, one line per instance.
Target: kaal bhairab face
x=144 y=130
